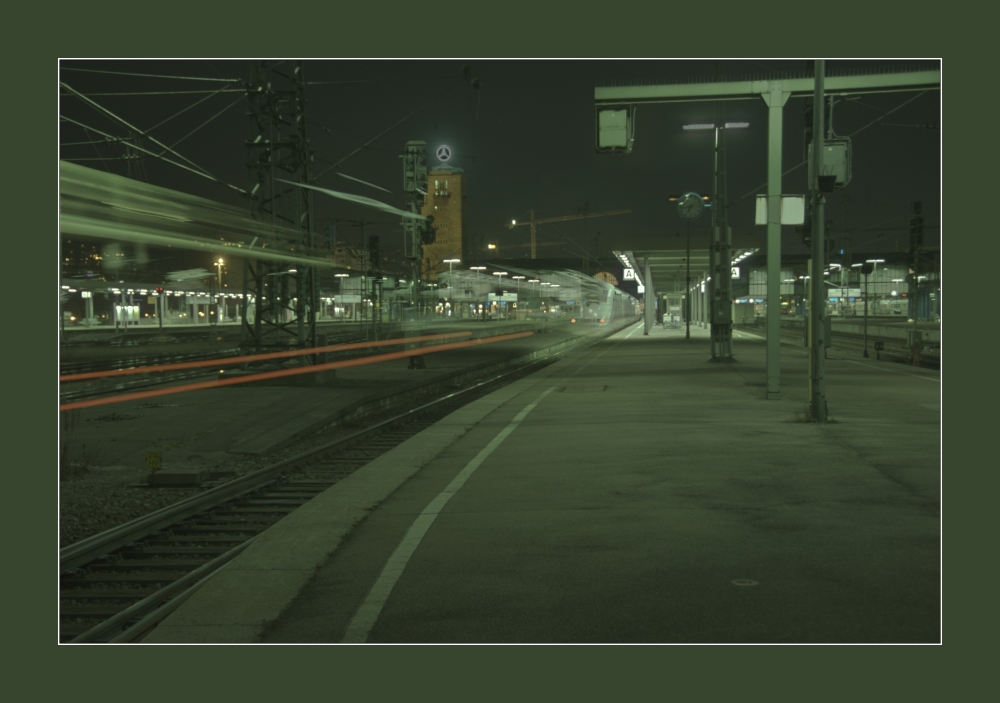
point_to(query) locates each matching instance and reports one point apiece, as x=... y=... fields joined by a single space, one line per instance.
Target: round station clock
x=690 y=206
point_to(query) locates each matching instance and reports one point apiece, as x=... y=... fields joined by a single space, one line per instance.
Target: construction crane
x=533 y=223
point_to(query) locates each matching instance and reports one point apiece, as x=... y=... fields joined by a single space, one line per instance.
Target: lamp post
x=721 y=317
x=218 y=265
x=865 y=269
x=340 y=291
x=479 y=270
x=874 y=263
x=500 y=275
x=532 y=291
x=518 y=279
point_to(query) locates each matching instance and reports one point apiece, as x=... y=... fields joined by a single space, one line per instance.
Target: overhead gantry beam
x=746 y=90
x=775 y=93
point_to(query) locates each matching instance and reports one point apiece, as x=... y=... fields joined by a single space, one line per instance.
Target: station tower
x=445 y=189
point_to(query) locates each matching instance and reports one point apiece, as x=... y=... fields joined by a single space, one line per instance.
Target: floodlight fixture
x=699 y=126
x=874 y=261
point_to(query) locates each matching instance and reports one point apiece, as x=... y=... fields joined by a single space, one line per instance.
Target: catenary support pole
x=650 y=294
x=817 y=309
x=775 y=100
x=687 y=296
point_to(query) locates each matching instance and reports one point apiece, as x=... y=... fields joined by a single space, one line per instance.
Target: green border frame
x=396 y=29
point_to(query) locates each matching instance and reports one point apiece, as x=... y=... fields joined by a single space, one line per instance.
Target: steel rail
x=90 y=548
x=152 y=603
x=158 y=605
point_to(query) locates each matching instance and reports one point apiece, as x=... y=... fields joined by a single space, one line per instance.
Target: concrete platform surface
x=632 y=492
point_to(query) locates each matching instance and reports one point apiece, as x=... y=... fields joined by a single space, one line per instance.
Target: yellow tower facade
x=445 y=189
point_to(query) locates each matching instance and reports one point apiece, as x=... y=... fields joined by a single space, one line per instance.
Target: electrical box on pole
x=615 y=129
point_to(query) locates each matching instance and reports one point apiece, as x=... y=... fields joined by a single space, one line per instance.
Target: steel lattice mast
x=284 y=297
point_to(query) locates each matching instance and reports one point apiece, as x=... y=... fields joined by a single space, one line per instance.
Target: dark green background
x=37 y=37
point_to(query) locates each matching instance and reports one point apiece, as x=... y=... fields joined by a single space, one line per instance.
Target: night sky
x=525 y=139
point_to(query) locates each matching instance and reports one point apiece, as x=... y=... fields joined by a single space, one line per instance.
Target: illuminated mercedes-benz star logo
x=443 y=152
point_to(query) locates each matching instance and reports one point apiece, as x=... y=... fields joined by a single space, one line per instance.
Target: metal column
x=414 y=180
x=284 y=297
x=817 y=305
x=721 y=301
x=650 y=305
x=775 y=100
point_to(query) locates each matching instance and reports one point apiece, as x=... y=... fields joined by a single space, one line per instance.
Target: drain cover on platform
x=582 y=389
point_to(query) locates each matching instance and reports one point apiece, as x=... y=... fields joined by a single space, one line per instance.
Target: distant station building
x=445 y=191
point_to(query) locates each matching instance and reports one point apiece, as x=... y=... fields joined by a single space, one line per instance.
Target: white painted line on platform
x=363 y=620
x=879 y=368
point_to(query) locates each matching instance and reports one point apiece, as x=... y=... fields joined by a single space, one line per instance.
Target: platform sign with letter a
x=629 y=275
x=154 y=460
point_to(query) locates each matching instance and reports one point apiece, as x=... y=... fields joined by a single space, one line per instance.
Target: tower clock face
x=690 y=206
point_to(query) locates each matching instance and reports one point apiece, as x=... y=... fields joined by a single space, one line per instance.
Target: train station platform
x=631 y=492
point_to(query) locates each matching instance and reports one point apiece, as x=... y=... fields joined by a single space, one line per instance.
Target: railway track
x=95 y=388
x=893 y=349
x=115 y=586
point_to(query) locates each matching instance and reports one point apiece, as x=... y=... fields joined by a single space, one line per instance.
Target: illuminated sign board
x=736 y=272
x=792 y=212
x=443 y=153
x=629 y=275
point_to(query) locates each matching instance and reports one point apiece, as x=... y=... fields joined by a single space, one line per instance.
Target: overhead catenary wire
x=387 y=130
x=165 y=92
x=755 y=190
x=196 y=169
x=181 y=112
x=98 y=152
x=151 y=153
x=108 y=113
x=381 y=80
x=207 y=121
x=150 y=75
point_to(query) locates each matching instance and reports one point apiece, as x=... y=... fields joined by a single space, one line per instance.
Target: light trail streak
x=230 y=360
x=219 y=383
